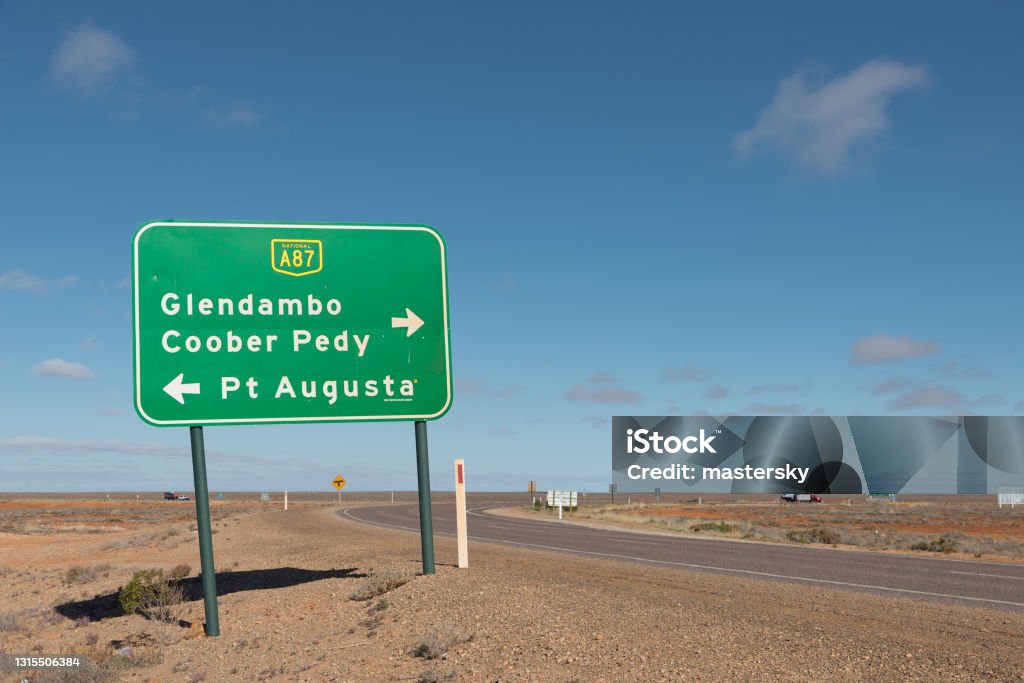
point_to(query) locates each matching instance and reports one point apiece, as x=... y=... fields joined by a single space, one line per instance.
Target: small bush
x=942 y=544
x=379 y=582
x=151 y=595
x=720 y=527
x=9 y=622
x=434 y=675
x=537 y=504
x=381 y=605
x=51 y=617
x=438 y=641
x=79 y=574
x=180 y=572
x=815 y=535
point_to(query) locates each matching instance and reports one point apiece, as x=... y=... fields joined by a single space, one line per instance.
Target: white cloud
x=717 y=392
x=988 y=400
x=602 y=394
x=48 y=444
x=239 y=115
x=931 y=396
x=471 y=386
x=90 y=60
x=55 y=367
x=819 y=124
x=893 y=385
x=595 y=421
x=881 y=348
x=19 y=280
x=775 y=388
x=774 y=409
x=686 y=373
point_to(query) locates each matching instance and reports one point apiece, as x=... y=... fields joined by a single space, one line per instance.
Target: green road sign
x=238 y=323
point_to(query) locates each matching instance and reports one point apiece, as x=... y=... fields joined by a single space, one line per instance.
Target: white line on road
x=998 y=576
x=747 y=572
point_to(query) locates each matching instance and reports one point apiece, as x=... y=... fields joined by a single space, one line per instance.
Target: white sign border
x=284 y=420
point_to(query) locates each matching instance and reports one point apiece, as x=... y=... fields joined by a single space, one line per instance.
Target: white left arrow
x=412 y=322
x=176 y=389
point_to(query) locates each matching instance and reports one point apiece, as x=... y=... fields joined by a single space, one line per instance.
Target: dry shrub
x=435 y=675
x=436 y=642
x=9 y=621
x=80 y=574
x=99 y=664
x=180 y=571
x=150 y=594
x=720 y=527
x=942 y=544
x=380 y=581
x=815 y=535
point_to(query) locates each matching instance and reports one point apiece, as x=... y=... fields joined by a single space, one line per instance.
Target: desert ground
x=307 y=595
x=962 y=527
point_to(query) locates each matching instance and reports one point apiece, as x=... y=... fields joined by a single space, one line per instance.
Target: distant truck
x=801 y=498
x=171 y=495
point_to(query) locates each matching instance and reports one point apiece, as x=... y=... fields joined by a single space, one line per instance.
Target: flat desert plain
x=958 y=527
x=308 y=595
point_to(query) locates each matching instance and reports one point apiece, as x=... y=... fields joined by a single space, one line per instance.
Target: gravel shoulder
x=514 y=615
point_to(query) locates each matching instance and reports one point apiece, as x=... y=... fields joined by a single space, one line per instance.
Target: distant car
x=801 y=498
x=171 y=495
x=182 y=496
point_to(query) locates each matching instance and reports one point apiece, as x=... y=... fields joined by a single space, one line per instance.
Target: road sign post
x=205 y=533
x=426 y=520
x=262 y=323
x=338 y=483
x=461 y=532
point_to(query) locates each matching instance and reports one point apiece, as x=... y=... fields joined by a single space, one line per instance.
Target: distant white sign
x=566 y=499
x=1011 y=496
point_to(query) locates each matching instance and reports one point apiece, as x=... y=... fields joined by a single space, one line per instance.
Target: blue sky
x=656 y=208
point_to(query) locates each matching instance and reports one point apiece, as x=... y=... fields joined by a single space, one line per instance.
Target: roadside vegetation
x=380 y=581
x=970 y=528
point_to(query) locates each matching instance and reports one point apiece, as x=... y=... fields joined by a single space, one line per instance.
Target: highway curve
x=982 y=584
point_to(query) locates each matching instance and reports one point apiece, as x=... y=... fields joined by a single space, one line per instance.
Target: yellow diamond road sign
x=339 y=482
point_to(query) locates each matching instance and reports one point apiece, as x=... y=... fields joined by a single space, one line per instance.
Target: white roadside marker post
x=559 y=508
x=285 y=500
x=460 y=513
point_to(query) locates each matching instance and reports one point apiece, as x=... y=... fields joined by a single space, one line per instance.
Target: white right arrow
x=412 y=321
x=177 y=390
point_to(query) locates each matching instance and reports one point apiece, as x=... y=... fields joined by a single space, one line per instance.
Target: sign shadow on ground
x=106 y=606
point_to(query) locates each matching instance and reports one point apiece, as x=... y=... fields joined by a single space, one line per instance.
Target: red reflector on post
x=460 y=474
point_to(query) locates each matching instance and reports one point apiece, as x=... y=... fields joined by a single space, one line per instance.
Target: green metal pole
x=423 y=474
x=205 y=535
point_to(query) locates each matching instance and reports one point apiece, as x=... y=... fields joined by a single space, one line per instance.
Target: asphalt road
x=982 y=584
